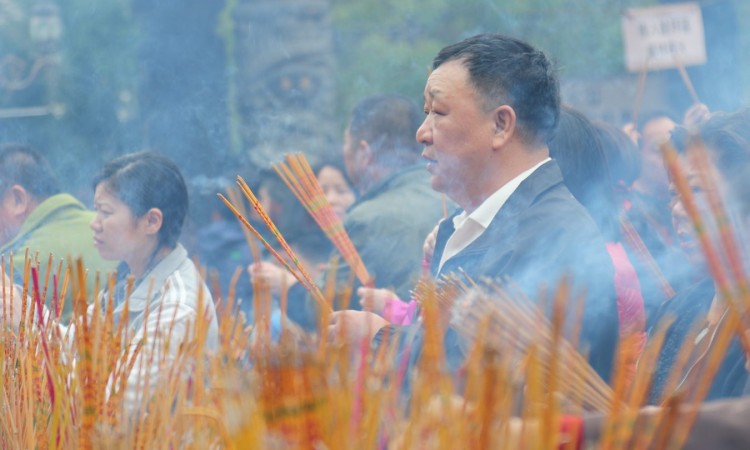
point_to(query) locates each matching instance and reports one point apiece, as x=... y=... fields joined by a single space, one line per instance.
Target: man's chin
x=436 y=184
x=440 y=186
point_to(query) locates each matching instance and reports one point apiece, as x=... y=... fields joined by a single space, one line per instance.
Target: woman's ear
x=153 y=220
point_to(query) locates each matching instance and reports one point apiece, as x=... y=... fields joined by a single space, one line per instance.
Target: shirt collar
x=159 y=275
x=487 y=210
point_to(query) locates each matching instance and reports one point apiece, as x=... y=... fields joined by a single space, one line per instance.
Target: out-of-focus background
x=228 y=85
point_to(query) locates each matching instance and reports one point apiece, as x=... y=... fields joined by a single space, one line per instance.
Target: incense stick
x=297 y=174
x=640 y=89
x=688 y=84
x=301 y=276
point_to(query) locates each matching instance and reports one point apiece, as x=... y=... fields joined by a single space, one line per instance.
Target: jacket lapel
x=504 y=226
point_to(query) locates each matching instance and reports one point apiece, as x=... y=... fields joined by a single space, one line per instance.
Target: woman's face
x=337 y=190
x=118 y=234
x=681 y=221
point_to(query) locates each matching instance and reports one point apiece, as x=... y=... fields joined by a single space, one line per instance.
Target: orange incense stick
x=301 y=180
x=301 y=276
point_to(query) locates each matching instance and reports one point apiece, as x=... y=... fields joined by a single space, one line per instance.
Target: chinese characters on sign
x=663 y=37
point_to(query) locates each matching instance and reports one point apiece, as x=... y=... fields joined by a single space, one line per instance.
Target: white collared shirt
x=468 y=227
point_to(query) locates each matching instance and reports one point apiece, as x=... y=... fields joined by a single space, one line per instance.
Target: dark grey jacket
x=540 y=234
x=388 y=226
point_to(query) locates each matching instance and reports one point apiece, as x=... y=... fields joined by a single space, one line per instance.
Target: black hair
x=389 y=123
x=727 y=135
x=335 y=163
x=22 y=165
x=505 y=70
x=578 y=151
x=622 y=154
x=146 y=180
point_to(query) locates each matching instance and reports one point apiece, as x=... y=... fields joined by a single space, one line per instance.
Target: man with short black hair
x=491 y=104
x=35 y=214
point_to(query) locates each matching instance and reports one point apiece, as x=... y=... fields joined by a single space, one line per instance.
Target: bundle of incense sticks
x=508 y=325
x=301 y=180
x=63 y=392
x=235 y=196
x=295 y=268
x=514 y=322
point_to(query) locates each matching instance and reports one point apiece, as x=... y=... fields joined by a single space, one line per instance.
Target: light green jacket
x=60 y=226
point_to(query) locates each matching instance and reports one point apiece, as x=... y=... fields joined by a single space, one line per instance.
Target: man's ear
x=153 y=220
x=20 y=201
x=505 y=124
x=364 y=153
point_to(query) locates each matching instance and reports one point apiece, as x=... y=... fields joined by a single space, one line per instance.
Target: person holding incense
x=623 y=158
x=395 y=208
x=219 y=240
x=312 y=249
x=491 y=105
x=721 y=423
x=727 y=137
x=306 y=239
x=649 y=215
x=36 y=215
x=141 y=201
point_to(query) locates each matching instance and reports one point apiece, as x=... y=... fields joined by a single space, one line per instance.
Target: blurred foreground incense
x=520 y=378
x=59 y=393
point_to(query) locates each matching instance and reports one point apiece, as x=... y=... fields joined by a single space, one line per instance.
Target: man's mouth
x=429 y=160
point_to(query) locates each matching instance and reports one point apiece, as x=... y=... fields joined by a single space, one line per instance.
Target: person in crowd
x=655 y=129
x=337 y=187
x=721 y=422
x=220 y=244
x=577 y=149
x=491 y=107
x=624 y=161
x=141 y=201
x=36 y=215
x=649 y=211
x=303 y=235
x=396 y=207
x=276 y=199
x=312 y=248
x=728 y=139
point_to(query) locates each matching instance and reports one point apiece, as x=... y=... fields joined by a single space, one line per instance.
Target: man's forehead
x=446 y=79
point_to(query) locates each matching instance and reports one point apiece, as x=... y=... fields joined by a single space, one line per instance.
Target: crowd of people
x=516 y=186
